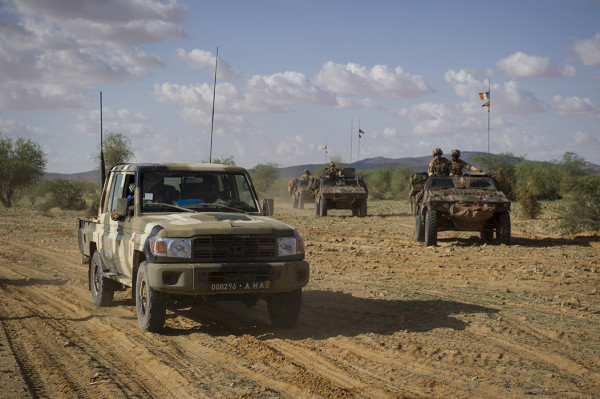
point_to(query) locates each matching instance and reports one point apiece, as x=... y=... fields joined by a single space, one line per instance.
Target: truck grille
x=234 y=248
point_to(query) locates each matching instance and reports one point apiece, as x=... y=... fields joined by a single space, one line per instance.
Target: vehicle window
x=116 y=190
x=196 y=190
x=442 y=183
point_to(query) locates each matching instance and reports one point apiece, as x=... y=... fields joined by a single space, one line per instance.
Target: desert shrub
x=530 y=206
x=378 y=182
x=582 y=210
x=542 y=179
x=66 y=194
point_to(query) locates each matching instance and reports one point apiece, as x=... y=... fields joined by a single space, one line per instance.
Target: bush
x=66 y=194
x=530 y=205
x=582 y=212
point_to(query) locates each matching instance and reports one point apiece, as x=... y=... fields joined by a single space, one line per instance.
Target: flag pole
x=351 y=126
x=490 y=95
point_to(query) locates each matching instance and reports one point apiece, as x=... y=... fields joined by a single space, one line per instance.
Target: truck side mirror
x=268 y=207
x=122 y=205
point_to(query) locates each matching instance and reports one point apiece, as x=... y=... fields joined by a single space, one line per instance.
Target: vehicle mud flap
x=470 y=216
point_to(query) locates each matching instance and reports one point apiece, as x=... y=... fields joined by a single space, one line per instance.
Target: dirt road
x=383 y=317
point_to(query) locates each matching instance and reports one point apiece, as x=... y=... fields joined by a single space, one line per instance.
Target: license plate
x=237 y=286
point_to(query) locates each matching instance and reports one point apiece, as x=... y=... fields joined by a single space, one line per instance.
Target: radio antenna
x=212 y=124
x=102 y=166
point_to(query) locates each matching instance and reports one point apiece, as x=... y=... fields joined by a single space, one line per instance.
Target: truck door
x=117 y=238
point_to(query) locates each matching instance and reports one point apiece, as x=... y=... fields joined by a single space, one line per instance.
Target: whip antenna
x=102 y=166
x=212 y=124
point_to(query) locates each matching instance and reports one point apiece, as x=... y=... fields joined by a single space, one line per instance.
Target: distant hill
x=418 y=164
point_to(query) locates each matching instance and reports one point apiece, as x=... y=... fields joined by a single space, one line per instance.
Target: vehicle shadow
x=545 y=242
x=327 y=314
x=25 y=282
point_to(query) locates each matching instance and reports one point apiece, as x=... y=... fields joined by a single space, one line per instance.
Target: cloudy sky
x=296 y=75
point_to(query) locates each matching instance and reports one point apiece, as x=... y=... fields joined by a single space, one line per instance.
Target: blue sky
x=295 y=76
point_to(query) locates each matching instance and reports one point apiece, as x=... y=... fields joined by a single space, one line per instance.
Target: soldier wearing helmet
x=306 y=175
x=331 y=172
x=457 y=164
x=439 y=166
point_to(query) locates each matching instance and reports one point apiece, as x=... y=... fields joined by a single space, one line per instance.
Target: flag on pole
x=360 y=133
x=324 y=148
x=486 y=104
x=485 y=96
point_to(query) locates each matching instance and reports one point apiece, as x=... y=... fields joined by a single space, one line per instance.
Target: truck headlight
x=172 y=247
x=287 y=246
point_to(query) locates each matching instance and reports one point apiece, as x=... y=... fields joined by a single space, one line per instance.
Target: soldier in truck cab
x=439 y=166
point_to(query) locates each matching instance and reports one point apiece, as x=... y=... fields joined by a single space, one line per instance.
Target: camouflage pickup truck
x=342 y=191
x=190 y=232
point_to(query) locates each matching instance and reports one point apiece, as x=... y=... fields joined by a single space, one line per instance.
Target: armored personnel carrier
x=342 y=191
x=462 y=203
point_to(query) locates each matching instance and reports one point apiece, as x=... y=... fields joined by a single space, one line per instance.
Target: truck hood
x=192 y=224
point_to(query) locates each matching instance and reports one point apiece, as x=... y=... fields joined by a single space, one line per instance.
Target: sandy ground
x=383 y=317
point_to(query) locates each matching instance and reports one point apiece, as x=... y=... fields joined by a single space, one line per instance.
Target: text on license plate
x=253 y=285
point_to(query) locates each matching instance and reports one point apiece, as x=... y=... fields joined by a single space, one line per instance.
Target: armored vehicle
x=190 y=233
x=461 y=203
x=342 y=191
x=300 y=192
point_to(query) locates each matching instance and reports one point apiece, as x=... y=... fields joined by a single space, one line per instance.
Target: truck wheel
x=431 y=228
x=362 y=210
x=503 y=228
x=323 y=207
x=355 y=209
x=151 y=309
x=419 y=227
x=284 y=308
x=294 y=201
x=103 y=289
x=301 y=202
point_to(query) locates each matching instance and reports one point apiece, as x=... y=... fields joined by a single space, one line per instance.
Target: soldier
x=331 y=172
x=306 y=175
x=457 y=164
x=439 y=166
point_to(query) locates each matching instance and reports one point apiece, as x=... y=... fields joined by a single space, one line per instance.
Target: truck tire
x=301 y=202
x=355 y=209
x=419 y=227
x=323 y=207
x=362 y=210
x=151 y=309
x=284 y=308
x=102 y=288
x=503 y=228
x=431 y=228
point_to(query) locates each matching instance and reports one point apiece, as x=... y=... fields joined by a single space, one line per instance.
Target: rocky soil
x=383 y=317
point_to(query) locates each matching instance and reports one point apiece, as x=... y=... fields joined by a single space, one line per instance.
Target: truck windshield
x=168 y=190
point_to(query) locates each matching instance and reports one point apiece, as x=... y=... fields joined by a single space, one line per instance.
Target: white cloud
x=465 y=83
x=576 y=106
x=520 y=65
x=589 y=50
x=205 y=60
x=354 y=79
x=53 y=52
x=569 y=71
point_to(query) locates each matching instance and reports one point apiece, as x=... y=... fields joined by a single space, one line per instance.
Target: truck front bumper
x=228 y=278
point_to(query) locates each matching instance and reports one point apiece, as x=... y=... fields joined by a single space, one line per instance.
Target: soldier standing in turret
x=439 y=166
x=457 y=164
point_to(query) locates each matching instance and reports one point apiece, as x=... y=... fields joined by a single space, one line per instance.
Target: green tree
x=264 y=175
x=379 y=182
x=582 y=211
x=117 y=149
x=22 y=163
x=222 y=160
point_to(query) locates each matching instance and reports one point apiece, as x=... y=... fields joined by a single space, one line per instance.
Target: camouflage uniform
x=332 y=172
x=457 y=164
x=306 y=175
x=439 y=167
